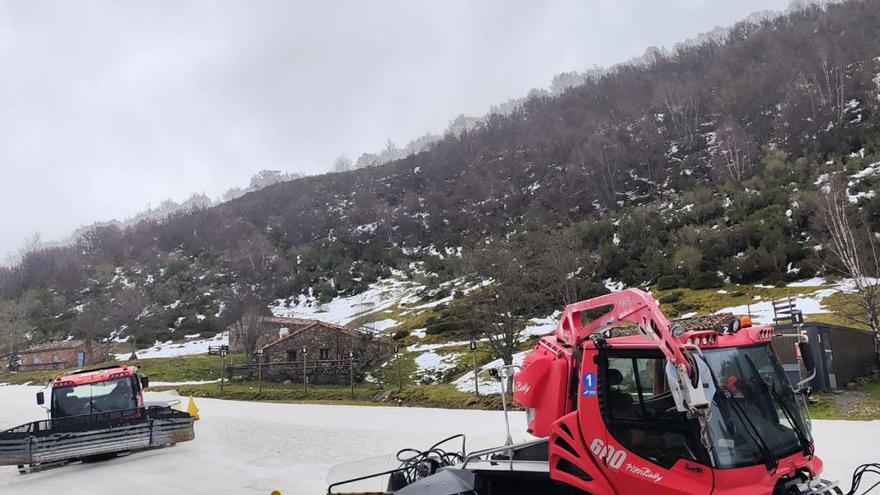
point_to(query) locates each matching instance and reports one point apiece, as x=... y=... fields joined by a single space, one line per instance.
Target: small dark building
x=327 y=353
x=842 y=354
x=60 y=355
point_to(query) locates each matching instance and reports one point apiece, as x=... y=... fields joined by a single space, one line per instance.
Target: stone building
x=271 y=329
x=332 y=352
x=60 y=355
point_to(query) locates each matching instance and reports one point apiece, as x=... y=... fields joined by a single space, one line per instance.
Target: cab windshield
x=754 y=411
x=93 y=398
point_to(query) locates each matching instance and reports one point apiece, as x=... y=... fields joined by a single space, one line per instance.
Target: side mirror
x=807 y=356
x=145 y=382
x=41 y=398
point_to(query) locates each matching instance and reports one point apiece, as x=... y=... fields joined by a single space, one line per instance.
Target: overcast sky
x=108 y=106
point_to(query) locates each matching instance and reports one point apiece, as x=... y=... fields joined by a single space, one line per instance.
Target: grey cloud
x=110 y=106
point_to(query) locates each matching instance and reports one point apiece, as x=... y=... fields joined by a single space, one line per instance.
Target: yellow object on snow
x=192 y=409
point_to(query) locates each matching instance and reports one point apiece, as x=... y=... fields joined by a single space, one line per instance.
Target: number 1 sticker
x=589 y=384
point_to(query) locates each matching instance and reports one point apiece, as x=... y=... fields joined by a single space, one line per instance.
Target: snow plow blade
x=80 y=437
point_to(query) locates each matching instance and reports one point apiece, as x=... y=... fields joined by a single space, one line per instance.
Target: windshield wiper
x=805 y=444
x=770 y=460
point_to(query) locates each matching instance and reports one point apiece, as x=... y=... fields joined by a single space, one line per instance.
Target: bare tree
x=13 y=327
x=856 y=253
x=248 y=325
x=559 y=265
x=342 y=164
x=502 y=306
x=735 y=151
x=684 y=109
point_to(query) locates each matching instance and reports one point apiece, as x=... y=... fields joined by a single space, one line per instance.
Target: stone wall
x=327 y=356
x=59 y=358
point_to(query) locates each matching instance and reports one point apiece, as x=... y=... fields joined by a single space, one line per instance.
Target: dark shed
x=842 y=354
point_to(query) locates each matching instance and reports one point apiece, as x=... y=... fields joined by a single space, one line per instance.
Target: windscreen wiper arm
x=805 y=444
x=802 y=437
x=770 y=460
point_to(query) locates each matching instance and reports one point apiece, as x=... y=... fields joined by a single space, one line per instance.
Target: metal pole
x=503 y=374
x=222 y=370
x=397 y=360
x=476 y=379
x=351 y=371
x=305 y=369
x=260 y=370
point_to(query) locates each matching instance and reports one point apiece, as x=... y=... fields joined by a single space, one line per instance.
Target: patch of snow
x=436 y=303
x=488 y=385
x=854 y=198
x=762 y=312
x=368 y=228
x=541 y=326
x=432 y=367
x=382 y=295
x=812 y=282
x=613 y=286
x=434 y=347
x=171 y=349
x=381 y=325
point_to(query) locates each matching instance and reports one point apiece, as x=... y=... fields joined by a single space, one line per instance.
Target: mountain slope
x=697 y=168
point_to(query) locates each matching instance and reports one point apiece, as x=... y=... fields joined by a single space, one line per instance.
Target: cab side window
x=640 y=411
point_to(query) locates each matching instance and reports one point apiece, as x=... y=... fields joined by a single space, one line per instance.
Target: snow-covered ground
x=488 y=385
x=382 y=295
x=809 y=302
x=254 y=448
x=173 y=349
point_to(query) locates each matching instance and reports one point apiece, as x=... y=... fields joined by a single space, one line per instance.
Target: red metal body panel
x=543 y=387
x=98 y=376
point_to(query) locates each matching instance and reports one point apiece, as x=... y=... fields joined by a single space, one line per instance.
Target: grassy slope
x=861 y=402
x=175 y=369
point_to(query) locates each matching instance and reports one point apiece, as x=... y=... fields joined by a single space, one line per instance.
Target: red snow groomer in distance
x=94 y=414
x=623 y=402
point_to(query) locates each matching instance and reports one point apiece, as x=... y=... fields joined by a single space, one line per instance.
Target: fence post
x=260 y=370
x=476 y=379
x=305 y=370
x=223 y=352
x=351 y=371
x=397 y=362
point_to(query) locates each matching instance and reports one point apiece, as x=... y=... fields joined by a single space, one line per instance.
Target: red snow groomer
x=658 y=409
x=93 y=414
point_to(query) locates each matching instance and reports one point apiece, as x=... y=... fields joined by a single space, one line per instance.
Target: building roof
x=317 y=324
x=278 y=320
x=53 y=346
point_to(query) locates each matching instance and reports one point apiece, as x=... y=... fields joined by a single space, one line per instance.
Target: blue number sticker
x=589 y=384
